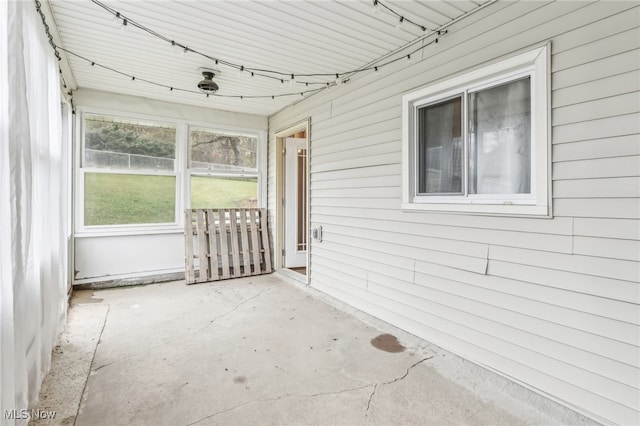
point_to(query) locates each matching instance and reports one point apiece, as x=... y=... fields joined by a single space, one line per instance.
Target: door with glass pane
x=295 y=202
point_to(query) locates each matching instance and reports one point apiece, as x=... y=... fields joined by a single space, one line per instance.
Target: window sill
x=91 y=233
x=518 y=210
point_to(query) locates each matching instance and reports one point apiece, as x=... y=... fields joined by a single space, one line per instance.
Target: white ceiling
x=296 y=37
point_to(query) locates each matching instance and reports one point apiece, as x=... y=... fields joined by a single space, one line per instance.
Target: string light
x=265 y=73
x=125 y=26
x=376 y=7
x=46 y=29
x=325 y=85
x=177 y=89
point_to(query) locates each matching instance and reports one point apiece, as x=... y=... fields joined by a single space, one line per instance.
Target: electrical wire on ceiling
x=325 y=86
x=278 y=75
x=340 y=77
x=134 y=78
x=377 y=4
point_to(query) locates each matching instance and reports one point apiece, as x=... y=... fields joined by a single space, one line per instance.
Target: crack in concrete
x=183 y=336
x=95 y=350
x=234 y=309
x=313 y=395
x=375 y=386
x=278 y=398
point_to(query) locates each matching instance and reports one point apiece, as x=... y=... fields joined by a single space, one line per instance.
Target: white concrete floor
x=261 y=351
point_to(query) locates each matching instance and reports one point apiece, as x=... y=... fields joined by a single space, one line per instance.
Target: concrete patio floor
x=262 y=351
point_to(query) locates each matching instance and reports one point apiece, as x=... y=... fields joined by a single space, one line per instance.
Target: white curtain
x=501 y=142
x=33 y=206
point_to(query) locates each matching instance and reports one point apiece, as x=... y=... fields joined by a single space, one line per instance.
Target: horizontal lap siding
x=551 y=303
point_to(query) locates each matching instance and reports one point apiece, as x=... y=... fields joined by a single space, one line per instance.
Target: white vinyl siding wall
x=551 y=303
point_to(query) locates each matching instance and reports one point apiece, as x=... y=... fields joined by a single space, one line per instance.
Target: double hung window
x=128 y=173
x=223 y=169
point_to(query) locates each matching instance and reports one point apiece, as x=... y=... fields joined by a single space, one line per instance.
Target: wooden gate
x=226 y=243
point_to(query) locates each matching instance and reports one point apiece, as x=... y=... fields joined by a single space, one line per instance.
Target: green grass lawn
x=112 y=199
x=218 y=193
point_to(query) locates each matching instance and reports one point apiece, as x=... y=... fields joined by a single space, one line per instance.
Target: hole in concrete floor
x=387 y=343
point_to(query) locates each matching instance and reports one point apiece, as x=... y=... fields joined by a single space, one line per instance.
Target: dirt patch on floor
x=84 y=296
x=387 y=343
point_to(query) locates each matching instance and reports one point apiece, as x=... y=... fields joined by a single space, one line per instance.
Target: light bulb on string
x=273 y=99
x=377 y=5
x=133 y=80
x=117 y=20
x=292 y=80
x=337 y=78
x=240 y=71
x=125 y=25
x=185 y=51
x=409 y=57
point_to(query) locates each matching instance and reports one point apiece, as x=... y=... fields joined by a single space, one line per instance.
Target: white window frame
x=181 y=172
x=533 y=63
x=81 y=170
x=261 y=165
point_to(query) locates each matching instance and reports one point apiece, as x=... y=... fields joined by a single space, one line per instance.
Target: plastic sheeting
x=33 y=200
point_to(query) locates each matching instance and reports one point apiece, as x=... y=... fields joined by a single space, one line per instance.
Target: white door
x=295 y=211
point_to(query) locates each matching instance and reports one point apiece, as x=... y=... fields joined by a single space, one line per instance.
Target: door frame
x=279 y=243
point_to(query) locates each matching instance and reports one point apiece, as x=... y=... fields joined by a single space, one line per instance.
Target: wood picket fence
x=226 y=243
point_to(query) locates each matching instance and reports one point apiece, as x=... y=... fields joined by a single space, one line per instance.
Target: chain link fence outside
x=118 y=160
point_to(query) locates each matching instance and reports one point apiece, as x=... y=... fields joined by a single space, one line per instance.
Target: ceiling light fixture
x=207 y=85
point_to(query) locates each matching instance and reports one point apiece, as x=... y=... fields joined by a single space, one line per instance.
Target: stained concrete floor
x=261 y=351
